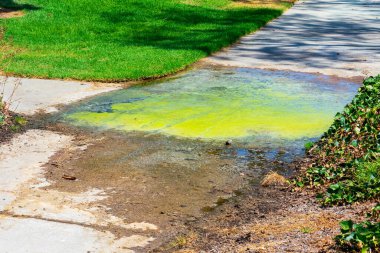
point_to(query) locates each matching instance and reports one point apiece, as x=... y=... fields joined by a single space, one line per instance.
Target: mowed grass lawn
x=113 y=40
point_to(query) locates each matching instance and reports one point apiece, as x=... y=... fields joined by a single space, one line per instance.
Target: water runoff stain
x=220 y=104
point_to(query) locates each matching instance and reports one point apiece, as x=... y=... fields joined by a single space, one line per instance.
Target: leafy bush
x=344 y=165
x=343 y=161
x=364 y=184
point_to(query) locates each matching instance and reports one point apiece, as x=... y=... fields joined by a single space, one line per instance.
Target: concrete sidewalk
x=333 y=37
x=29 y=96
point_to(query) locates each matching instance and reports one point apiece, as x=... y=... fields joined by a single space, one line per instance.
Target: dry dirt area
x=261 y=4
x=9 y=13
x=266 y=220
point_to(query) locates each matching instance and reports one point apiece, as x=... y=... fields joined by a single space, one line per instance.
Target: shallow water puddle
x=232 y=103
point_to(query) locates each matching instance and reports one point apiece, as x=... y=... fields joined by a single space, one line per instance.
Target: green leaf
x=346 y=225
x=334 y=187
x=365 y=249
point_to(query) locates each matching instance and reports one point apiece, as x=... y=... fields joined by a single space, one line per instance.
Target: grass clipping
x=274 y=179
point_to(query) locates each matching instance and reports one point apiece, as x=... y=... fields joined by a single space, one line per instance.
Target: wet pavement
x=221 y=104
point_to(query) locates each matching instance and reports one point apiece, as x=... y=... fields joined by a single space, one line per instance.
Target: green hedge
x=343 y=163
x=344 y=166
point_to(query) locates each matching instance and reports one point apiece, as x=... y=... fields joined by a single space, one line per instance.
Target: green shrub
x=344 y=165
x=364 y=184
x=345 y=160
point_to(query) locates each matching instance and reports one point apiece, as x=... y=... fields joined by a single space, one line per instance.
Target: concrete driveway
x=333 y=37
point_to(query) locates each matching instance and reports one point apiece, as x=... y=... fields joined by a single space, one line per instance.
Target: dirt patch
x=249 y=3
x=164 y=195
x=266 y=220
x=9 y=13
x=261 y=3
x=163 y=184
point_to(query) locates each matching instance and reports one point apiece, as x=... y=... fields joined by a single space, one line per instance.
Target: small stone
x=55 y=164
x=67 y=177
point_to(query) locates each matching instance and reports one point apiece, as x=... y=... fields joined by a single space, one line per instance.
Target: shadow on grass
x=188 y=27
x=7 y=5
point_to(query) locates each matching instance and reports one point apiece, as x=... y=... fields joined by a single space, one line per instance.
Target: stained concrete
x=333 y=37
x=36 y=219
x=22 y=158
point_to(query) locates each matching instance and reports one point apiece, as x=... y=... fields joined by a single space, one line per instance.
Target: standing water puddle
x=223 y=104
x=162 y=152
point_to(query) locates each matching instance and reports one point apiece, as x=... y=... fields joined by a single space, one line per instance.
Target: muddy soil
x=157 y=179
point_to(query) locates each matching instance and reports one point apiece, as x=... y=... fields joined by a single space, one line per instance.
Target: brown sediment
x=162 y=181
x=168 y=182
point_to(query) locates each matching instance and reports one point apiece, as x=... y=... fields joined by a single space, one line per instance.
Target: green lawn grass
x=113 y=40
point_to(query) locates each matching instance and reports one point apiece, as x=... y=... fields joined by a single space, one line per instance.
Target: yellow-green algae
x=224 y=103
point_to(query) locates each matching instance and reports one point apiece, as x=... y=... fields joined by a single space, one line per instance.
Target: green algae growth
x=227 y=103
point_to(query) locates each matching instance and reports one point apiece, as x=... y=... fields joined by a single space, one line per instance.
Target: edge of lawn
x=283 y=7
